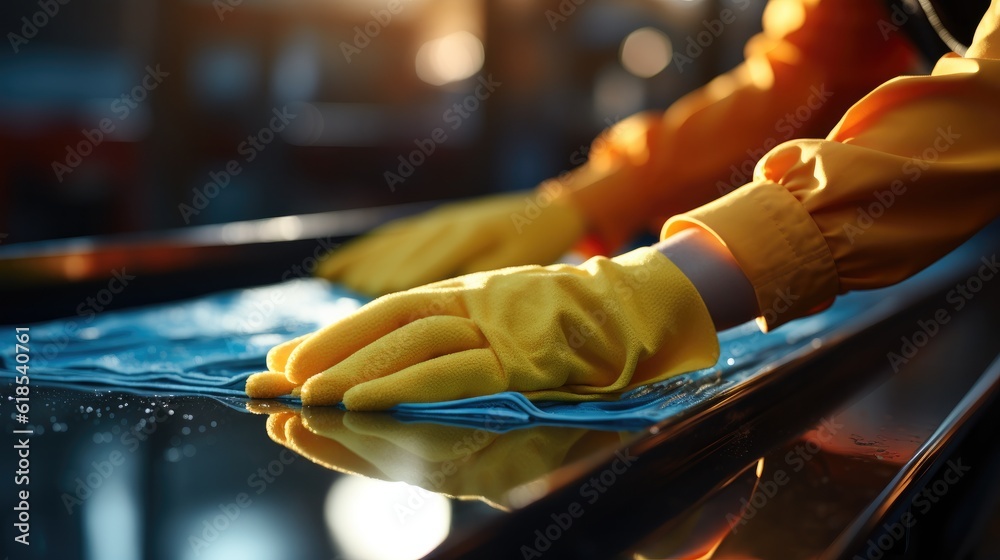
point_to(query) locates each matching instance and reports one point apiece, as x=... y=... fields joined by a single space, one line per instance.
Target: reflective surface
x=798 y=454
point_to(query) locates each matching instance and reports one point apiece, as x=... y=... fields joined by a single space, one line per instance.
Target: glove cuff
x=673 y=326
x=649 y=322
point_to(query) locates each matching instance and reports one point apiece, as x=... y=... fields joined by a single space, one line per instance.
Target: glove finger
x=277 y=357
x=327 y=450
x=472 y=373
x=270 y=407
x=419 y=341
x=521 y=253
x=363 y=453
x=430 y=259
x=268 y=385
x=336 y=262
x=276 y=426
x=431 y=442
x=403 y=265
x=358 y=253
x=378 y=261
x=332 y=344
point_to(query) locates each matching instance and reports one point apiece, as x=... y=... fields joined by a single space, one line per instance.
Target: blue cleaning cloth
x=210 y=345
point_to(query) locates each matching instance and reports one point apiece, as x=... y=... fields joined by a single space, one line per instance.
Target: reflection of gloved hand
x=449 y=460
x=559 y=332
x=457 y=239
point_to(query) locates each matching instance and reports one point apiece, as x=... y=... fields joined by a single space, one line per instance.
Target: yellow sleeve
x=813 y=60
x=910 y=172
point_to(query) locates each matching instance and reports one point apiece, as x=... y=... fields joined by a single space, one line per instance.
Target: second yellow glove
x=460 y=238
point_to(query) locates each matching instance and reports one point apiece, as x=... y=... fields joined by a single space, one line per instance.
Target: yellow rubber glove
x=486 y=234
x=456 y=462
x=559 y=333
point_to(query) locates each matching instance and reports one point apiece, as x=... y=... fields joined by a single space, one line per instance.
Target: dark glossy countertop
x=828 y=454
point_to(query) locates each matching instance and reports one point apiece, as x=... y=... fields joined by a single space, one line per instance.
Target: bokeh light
x=360 y=511
x=646 y=52
x=450 y=59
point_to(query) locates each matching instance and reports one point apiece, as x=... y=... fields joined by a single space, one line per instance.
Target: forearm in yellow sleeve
x=910 y=172
x=812 y=61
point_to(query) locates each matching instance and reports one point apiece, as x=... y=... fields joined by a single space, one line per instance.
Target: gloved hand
x=458 y=462
x=559 y=332
x=456 y=239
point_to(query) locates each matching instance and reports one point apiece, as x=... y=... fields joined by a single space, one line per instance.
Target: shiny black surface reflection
x=459 y=462
x=119 y=475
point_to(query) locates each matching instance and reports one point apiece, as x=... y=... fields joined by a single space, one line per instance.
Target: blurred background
x=120 y=116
